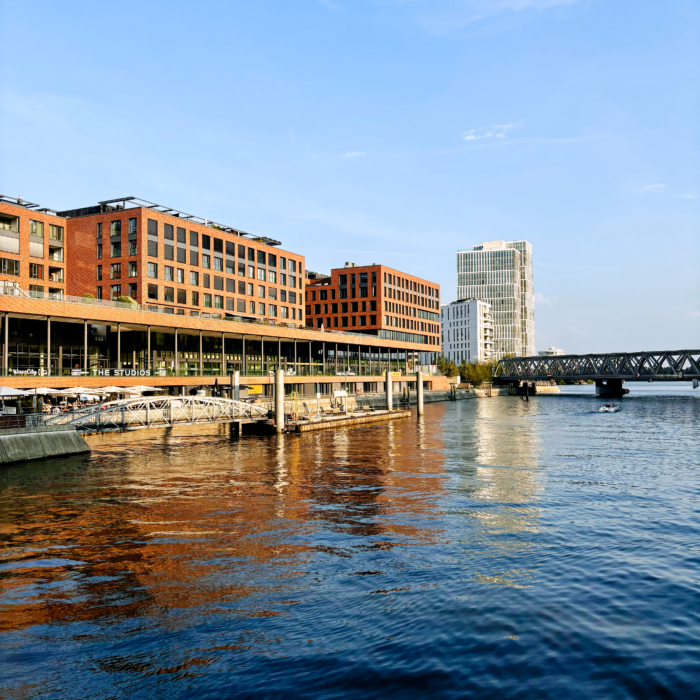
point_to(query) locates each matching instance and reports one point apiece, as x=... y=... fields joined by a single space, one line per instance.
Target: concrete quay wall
x=23 y=444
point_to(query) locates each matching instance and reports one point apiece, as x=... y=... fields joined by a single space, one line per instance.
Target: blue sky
x=389 y=131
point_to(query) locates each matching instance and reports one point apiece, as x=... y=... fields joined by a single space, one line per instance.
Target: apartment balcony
x=55 y=275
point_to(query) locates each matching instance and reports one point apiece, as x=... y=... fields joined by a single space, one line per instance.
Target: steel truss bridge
x=159 y=412
x=666 y=365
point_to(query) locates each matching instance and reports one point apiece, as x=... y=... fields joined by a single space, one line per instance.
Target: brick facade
x=378 y=300
x=37 y=256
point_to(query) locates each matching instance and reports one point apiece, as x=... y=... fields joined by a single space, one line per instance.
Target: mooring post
x=279 y=401
x=419 y=391
x=389 y=390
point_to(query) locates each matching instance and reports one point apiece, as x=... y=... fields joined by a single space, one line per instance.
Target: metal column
x=245 y=368
x=149 y=364
x=119 y=345
x=222 y=370
x=201 y=356
x=5 y=368
x=48 y=346
x=323 y=345
x=85 y=346
x=177 y=356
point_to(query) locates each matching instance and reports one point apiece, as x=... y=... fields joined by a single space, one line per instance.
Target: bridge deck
x=665 y=365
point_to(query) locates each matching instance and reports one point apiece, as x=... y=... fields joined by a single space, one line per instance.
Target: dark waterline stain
x=496 y=548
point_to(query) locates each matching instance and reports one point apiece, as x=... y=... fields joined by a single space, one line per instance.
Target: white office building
x=551 y=352
x=500 y=273
x=467 y=331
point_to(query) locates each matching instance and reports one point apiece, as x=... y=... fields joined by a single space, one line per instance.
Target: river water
x=494 y=549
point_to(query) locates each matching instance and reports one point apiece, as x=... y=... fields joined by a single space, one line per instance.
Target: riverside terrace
x=88 y=341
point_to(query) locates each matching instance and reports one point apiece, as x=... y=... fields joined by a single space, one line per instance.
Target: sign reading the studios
x=90 y=373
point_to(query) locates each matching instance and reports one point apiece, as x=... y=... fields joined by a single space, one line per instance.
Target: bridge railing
x=667 y=365
x=156 y=411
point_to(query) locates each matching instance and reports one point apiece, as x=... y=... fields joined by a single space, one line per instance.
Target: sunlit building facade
x=500 y=273
x=467 y=331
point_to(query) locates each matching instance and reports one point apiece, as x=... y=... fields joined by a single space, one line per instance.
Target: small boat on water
x=609 y=408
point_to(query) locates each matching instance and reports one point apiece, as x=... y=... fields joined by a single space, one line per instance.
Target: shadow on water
x=536 y=548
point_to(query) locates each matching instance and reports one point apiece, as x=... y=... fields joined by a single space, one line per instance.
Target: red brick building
x=375 y=300
x=33 y=247
x=186 y=265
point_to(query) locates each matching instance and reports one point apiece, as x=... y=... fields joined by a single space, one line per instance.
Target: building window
x=362 y=321
x=372 y=320
x=99 y=293
x=99 y=251
x=241 y=269
x=99 y=273
x=132 y=226
x=250 y=289
x=115 y=228
x=206 y=283
x=317 y=309
x=261 y=309
x=55 y=232
x=219 y=264
x=272 y=276
x=168 y=294
x=292 y=282
x=283 y=279
x=132 y=269
x=195 y=298
x=229 y=304
x=252 y=307
x=230 y=285
x=115 y=271
x=206 y=261
x=207 y=298
x=36 y=272
x=182 y=256
x=99 y=230
x=153 y=249
x=218 y=283
x=180 y=276
x=132 y=248
x=194 y=258
x=293 y=297
x=132 y=290
x=251 y=272
x=194 y=239
x=292 y=266
x=240 y=305
x=206 y=242
x=152 y=227
x=36 y=291
x=36 y=228
x=284 y=312
x=168 y=252
x=115 y=291
x=344 y=321
x=181 y=296
x=272 y=293
x=116 y=249
x=181 y=235
x=168 y=273
x=194 y=278
x=168 y=232
x=261 y=274
x=218 y=302
x=153 y=270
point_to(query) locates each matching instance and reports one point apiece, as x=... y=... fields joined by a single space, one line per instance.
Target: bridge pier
x=610 y=388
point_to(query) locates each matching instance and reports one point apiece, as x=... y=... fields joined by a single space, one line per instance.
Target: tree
x=127 y=300
x=446 y=366
x=476 y=373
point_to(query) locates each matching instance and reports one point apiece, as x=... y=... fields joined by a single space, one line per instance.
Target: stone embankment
x=39 y=442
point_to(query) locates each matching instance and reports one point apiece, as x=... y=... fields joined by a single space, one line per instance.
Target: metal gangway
x=159 y=412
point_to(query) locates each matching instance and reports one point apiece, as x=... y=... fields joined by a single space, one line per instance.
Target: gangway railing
x=159 y=411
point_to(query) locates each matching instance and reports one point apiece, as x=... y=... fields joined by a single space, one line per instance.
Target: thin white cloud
x=686 y=196
x=578 y=331
x=353 y=154
x=450 y=16
x=695 y=314
x=497 y=131
x=647 y=188
x=542 y=300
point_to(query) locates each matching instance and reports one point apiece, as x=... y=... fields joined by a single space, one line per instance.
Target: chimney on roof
x=349 y=264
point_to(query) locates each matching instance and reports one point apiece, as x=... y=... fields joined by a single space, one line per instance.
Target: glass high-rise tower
x=501 y=274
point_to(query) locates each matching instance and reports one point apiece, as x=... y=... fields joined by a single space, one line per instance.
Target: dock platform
x=347 y=420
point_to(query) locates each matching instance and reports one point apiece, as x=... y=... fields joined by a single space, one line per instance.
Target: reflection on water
x=491 y=543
